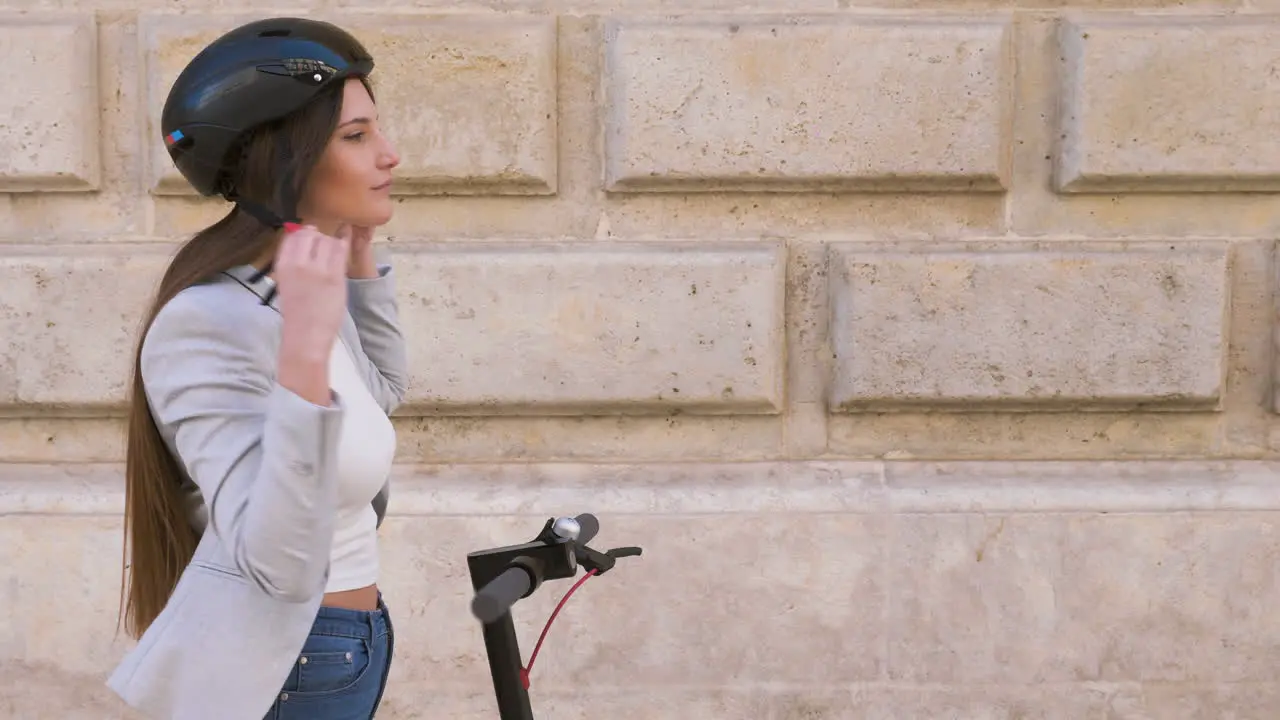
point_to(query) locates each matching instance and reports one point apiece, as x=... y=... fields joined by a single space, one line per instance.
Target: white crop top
x=366 y=450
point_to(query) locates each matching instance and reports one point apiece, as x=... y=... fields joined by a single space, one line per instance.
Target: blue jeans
x=342 y=669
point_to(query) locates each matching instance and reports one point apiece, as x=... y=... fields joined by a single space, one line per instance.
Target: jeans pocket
x=328 y=664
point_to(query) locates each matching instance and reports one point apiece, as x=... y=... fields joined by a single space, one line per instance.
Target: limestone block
x=805 y=104
x=469 y=101
x=492 y=328
x=68 y=320
x=594 y=327
x=864 y=591
x=1045 y=598
x=49 y=126
x=1243 y=700
x=811 y=599
x=1026 y=328
x=700 y=575
x=1169 y=104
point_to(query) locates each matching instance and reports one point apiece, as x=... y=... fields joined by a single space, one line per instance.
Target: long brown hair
x=159 y=537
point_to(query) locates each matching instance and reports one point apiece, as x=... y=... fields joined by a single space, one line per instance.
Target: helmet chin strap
x=262 y=213
x=288 y=199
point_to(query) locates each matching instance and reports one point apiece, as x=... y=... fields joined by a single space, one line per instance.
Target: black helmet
x=254 y=74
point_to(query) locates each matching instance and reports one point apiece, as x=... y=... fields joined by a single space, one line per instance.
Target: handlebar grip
x=589 y=526
x=496 y=598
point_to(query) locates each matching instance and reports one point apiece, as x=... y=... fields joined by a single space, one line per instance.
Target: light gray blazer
x=262 y=460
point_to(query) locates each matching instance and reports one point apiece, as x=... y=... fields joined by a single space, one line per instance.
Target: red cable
x=524 y=672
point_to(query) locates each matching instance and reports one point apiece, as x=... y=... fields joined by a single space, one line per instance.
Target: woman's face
x=351 y=184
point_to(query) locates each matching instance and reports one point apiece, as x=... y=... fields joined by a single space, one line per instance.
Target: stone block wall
x=927 y=347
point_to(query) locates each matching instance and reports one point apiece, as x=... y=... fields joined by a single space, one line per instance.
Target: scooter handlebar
x=495 y=599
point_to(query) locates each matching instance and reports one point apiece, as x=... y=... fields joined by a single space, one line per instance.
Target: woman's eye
x=355 y=136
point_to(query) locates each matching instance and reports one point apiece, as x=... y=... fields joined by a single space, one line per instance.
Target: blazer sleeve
x=373 y=306
x=262 y=456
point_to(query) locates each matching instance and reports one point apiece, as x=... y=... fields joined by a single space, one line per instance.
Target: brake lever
x=602 y=562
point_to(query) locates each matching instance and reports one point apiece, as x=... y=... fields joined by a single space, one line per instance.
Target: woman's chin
x=376 y=218
x=379 y=216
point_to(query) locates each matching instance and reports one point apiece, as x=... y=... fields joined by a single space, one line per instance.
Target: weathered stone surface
x=69 y=320
x=1050 y=598
x=1033 y=328
x=595 y=327
x=470 y=101
x=1036 y=206
x=575 y=181
x=866 y=595
x=49 y=138
x=492 y=328
x=1169 y=104
x=776 y=102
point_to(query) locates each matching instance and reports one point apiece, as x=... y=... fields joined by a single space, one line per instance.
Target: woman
x=259 y=444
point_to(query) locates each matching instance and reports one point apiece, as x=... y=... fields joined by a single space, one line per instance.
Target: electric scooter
x=504 y=575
